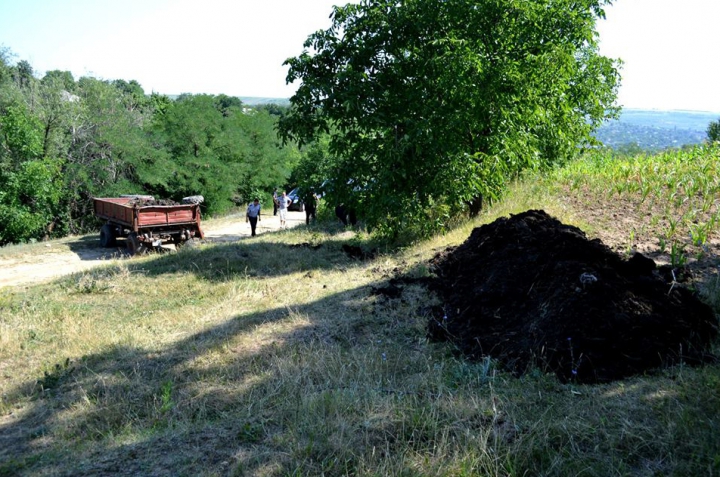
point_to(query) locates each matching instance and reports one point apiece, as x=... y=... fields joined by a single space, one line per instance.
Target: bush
x=30 y=199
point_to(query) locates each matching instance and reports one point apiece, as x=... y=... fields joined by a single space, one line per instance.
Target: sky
x=669 y=50
x=237 y=47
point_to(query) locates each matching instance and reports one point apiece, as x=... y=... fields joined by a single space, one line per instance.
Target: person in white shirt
x=253 y=215
x=283 y=203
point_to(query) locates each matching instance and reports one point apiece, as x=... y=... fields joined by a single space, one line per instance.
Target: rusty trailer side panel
x=115 y=210
x=166 y=215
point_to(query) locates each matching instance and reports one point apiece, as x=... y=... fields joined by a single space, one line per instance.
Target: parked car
x=297 y=204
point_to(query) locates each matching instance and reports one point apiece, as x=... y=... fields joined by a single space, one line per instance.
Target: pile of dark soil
x=533 y=292
x=141 y=202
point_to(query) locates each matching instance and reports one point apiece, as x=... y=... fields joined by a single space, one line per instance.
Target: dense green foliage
x=713 y=131
x=63 y=142
x=432 y=106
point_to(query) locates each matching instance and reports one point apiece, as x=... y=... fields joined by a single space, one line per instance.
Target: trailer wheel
x=133 y=244
x=107 y=237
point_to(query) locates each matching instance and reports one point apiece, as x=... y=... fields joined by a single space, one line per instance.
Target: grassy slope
x=264 y=358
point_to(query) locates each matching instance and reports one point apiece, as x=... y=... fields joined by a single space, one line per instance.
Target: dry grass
x=270 y=357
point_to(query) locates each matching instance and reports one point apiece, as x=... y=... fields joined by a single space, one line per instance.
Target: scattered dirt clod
x=353 y=251
x=305 y=245
x=389 y=291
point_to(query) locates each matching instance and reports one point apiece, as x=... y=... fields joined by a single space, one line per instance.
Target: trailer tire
x=133 y=244
x=107 y=237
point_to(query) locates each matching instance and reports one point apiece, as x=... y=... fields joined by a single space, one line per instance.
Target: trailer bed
x=146 y=224
x=121 y=211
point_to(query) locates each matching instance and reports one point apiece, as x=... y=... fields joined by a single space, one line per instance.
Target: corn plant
x=678 y=259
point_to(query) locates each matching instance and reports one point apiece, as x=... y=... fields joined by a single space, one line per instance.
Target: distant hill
x=251 y=100
x=655 y=130
x=647 y=128
x=254 y=101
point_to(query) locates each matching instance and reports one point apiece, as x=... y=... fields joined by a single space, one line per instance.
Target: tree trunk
x=46 y=139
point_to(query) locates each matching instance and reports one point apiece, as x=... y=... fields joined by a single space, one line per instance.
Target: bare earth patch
x=53 y=259
x=628 y=225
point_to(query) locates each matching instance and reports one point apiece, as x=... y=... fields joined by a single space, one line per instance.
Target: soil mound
x=531 y=291
x=143 y=202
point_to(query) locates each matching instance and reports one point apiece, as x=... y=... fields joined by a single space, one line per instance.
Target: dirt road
x=45 y=261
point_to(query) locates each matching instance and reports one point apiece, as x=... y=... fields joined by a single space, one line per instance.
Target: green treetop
x=436 y=104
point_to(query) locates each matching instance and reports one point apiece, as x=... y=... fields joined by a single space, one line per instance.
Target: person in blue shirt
x=253 y=215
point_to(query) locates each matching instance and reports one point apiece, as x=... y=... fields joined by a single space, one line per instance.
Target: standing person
x=275 y=201
x=311 y=201
x=346 y=214
x=253 y=215
x=341 y=213
x=283 y=202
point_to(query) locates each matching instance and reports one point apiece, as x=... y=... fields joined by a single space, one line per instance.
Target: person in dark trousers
x=253 y=215
x=310 y=201
x=275 y=201
x=346 y=214
x=341 y=214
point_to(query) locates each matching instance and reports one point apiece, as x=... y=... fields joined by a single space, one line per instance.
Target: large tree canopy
x=432 y=105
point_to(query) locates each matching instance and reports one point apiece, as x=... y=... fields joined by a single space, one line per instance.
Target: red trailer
x=145 y=224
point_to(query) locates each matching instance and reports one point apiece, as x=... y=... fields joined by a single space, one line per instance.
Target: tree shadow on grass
x=221 y=262
x=180 y=409
x=153 y=395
